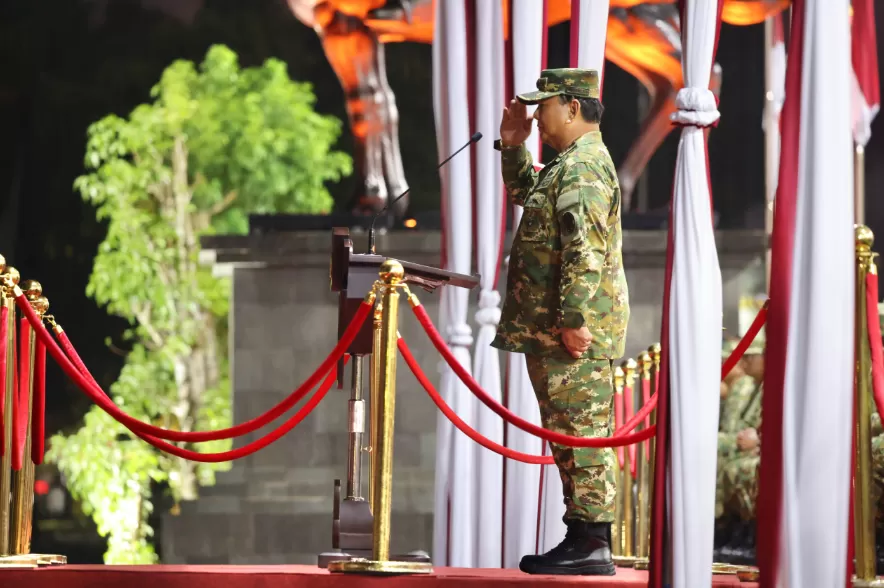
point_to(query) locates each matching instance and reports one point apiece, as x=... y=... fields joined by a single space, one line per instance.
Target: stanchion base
x=18 y=562
x=625 y=561
x=873 y=583
x=641 y=563
x=51 y=559
x=367 y=566
x=32 y=560
x=325 y=559
x=726 y=569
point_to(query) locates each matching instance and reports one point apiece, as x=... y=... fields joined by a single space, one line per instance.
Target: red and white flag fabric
x=454 y=532
x=803 y=498
x=864 y=83
x=692 y=326
x=523 y=481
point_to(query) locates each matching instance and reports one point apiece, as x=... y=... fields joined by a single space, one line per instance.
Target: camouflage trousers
x=737 y=488
x=576 y=397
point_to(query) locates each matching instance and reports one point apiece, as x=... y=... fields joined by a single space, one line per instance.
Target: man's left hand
x=576 y=340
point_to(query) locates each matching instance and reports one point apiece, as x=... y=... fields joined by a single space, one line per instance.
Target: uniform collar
x=583 y=140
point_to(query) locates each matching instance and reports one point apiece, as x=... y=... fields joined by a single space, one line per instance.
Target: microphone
x=474 y=139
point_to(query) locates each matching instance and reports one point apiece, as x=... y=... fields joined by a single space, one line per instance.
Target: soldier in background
x=738 y=457
x=732 y=376
x=567 y=303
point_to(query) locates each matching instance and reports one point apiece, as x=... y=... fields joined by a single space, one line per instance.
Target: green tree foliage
x=216 y=143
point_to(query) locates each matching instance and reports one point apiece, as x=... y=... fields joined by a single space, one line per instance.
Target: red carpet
x=74 y=576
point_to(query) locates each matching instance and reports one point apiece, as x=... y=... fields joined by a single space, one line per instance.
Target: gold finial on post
x=11 y=277
x=645 y=363
x=619 y=376
x=392 y=274
x=32 y=289
x=863 y=510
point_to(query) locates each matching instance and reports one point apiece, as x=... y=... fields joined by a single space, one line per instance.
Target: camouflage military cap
x=583 y=83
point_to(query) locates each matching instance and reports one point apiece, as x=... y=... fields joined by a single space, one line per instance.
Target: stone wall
x=275 y=506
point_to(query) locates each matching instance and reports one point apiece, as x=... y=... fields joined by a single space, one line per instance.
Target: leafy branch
x=215 y=144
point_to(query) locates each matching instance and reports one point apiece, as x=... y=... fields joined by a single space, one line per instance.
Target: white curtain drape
x=455 y=453
x=522 y=480
x=818 y=386
x=489 y=88
x=695 y=313
x=592 y=30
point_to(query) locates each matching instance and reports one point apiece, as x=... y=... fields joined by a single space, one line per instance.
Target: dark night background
x=67 y=63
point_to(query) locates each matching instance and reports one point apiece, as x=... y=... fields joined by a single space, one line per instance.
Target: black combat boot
x=585 y=551
x=724 y=528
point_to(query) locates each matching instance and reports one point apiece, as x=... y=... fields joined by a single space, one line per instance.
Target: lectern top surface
x=416 y=269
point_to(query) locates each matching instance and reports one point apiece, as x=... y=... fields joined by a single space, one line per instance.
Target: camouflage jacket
x=735 y=402
x=566 y=265
x=742 y=411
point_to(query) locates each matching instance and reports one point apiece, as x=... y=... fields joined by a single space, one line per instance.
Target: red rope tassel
x=20 y=401
x=4 y=333
x=38 y=419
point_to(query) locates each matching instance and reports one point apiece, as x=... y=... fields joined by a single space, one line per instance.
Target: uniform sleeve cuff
x=501 y=147
x=572 y=319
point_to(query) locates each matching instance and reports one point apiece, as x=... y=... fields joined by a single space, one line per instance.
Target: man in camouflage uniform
x=739 y=448
x=567 y=303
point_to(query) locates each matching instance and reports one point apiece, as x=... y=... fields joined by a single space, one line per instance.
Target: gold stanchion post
x=863 y=511
x=10 y=278
x=21 y=489
x=643 y=510
x=654 y=352
x=629 y=367
x=23 y=480
x=391 y=274
x=617 y=527
x=375 y=368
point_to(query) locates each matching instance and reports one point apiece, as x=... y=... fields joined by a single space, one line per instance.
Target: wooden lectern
x=352 y=276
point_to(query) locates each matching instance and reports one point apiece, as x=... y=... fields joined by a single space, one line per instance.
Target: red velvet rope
x=875 y=342
x=38 y=418
x=747 y=339
x=20 y=398
x=97 y=395
x=456 y=420
x=233 y=454
x=4 y=334
x=616 y=440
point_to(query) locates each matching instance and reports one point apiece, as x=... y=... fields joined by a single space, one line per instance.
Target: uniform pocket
x=532 y=228
x=591 y=407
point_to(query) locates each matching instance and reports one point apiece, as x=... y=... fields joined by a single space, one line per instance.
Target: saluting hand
x=515 y=124
x=576 y=340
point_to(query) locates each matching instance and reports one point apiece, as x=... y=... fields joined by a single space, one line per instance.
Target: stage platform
x=160 y=576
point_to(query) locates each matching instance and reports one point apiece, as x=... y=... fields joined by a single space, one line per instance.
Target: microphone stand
x=371 y=244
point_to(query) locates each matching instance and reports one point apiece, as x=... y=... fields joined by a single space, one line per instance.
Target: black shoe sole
x=586 y=570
